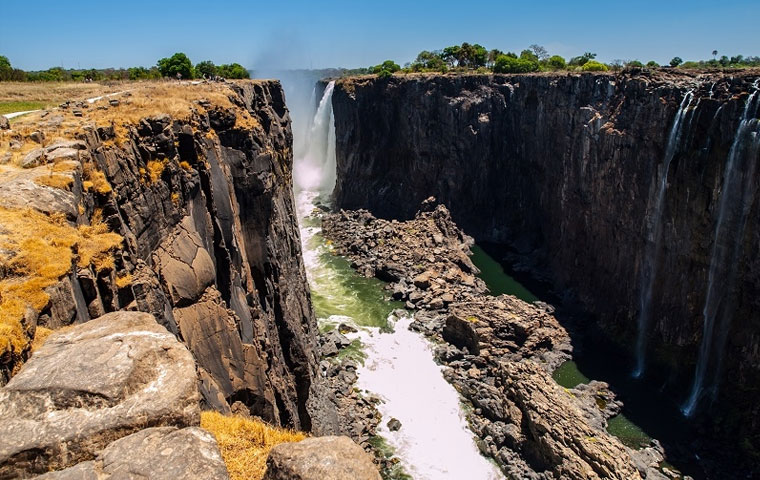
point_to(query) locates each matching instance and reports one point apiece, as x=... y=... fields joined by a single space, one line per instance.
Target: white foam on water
x=434 y=442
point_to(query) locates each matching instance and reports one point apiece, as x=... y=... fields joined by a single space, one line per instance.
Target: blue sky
x=289 y=34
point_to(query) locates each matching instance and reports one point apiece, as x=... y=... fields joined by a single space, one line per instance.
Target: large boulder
x=320 y=458
x=90 y=385
x=165 y=453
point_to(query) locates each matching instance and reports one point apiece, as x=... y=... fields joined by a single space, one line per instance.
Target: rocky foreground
x=500 y=351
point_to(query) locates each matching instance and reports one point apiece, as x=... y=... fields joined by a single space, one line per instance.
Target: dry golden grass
x=54 y=93
x=245 y=444
x=40 y=335
x=155 y=169
x=43 y=249
x=124 y=280
x=94 y=179
x=55 y=180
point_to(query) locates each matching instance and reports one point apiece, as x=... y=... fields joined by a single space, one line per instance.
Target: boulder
x=34 y=158
x=320 y=458
x=5 y=124
x=462 y=334
x=90 y=385
x=164 y=453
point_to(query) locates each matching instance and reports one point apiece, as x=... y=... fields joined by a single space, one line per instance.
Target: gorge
x=602 y=187
x=471 y=276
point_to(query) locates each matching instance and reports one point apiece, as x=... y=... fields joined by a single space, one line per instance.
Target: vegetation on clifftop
x=169 y=67
x=476 y=58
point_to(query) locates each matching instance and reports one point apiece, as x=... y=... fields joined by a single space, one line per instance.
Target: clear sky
x=38 y=34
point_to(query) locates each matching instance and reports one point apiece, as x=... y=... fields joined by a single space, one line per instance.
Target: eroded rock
x=90 y=385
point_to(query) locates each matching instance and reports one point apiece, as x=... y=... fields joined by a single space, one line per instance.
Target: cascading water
x=315 y=170
x=734 y=205
x=654 y=234
x=435 y=442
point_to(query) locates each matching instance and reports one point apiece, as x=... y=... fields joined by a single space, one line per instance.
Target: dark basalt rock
x=560 y=168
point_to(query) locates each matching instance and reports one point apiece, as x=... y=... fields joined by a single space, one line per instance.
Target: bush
x=634 y=64
x=556 y=62
x=652 y=64
x=676 y=62
x=509 y=64
x=594 y=66
x=233 y=70
x=206 y=69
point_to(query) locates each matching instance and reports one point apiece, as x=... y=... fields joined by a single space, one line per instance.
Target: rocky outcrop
x=204 y=205
x=88 y=389
x=562 y=167
x=163 y=453
x=322 y=458
x=499 y=351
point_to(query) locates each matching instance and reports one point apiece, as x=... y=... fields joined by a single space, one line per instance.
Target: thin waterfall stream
x=654 y=235
x=435 y=442
x=733 y=210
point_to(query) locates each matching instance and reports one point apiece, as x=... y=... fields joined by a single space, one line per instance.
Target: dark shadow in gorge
x=647 y=402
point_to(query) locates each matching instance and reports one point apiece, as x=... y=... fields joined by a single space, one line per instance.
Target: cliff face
x=210 y=244
x=565 y=169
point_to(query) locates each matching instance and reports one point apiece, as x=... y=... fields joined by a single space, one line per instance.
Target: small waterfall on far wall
x=734 y=206
x=654 y=233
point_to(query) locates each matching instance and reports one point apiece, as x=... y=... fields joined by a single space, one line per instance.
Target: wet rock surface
x=322 y=458
x=500 y=351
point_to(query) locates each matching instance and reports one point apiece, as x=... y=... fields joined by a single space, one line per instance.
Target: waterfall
x=654 y=234
x=315 y=171
x=736 y=197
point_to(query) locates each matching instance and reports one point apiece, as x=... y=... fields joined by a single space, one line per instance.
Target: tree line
x=176 y=66
x=474 y=57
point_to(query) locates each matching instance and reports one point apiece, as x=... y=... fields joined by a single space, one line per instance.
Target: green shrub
x=594 y=66
x=556 y=62
x=509 y=64
x=176 y=64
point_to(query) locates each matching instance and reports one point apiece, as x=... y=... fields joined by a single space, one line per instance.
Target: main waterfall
x=734 y=206
x=434 y=442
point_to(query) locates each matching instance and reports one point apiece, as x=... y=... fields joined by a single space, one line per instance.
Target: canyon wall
x=563 y=169
x=210 y=246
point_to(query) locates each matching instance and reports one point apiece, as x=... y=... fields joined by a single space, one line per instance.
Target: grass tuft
x=245 y=443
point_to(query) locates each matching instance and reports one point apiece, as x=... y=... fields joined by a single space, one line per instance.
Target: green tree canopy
x=176 y=64
x=205 y=68
x=676 y=61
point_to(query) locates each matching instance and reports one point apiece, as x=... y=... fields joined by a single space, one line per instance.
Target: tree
x=581 y=60
x=233 y=70
x=205 y=68
x=176 y=64
x=6 y=71
x=676 y=61
x=555 y=62
x=539 y=51
x=652 y=64
x=492 y=55
x=715 y=54
x=386 y=69
x=529 y=55
x=451 y=55
x=634 y=64
x=428 y=61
